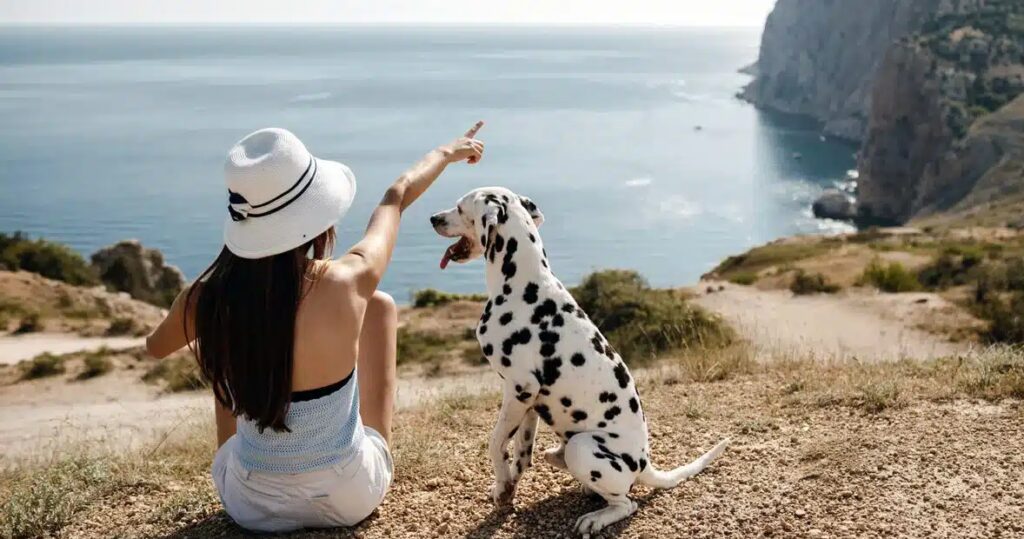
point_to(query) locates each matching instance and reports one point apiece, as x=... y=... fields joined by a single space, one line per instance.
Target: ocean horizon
x=630 y=139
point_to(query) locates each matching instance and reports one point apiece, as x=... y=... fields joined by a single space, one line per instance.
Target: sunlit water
x=629 y=140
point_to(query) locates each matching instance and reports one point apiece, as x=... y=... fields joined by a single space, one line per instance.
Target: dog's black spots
x=544 y=413
x=488 y=349
x=514 y=431
x=613 y=435
x=615 y=465
x=544 y=391
x=568 y=307
x=543 y=326
x=482 y=329
x=547 y=349
x=505 y=318
x=601 y=424
x=507 y=290
x=487 y=307
x=533 y=239
x=503 y=216
x=578 y=359
x=569 y=434
x=497 y=246
x=634 y=405
x=505 y=362
x=519 y=467
x=548 y=308
x=544 y=262
x=598 y=439
x=597 y=343
x=598 y=455
x=610 y=413
x=622 y=375
x=578 y=415
x=522 y=453
x=607 y=396
x=530 y=294
x=629 y=462
x=483 y=241
x=505 y=198
x=551 y=370
x=508 y=267
x=524 y=396
x=504 y=455
x=500 y=300
x=566 y=401
x=558 y=321
x=544 y=252
x=548 y=336
x=580 y=314
x=521 y=336
x=643 y=464
x=527 y=434
x=595 y=475
x=519 y=388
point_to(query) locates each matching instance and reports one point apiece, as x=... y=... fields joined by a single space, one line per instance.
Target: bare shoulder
x=338 y=285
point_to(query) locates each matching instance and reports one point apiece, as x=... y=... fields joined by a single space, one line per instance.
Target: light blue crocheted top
x=324 y=432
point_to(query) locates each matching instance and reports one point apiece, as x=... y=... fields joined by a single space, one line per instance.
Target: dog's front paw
x=502 y=493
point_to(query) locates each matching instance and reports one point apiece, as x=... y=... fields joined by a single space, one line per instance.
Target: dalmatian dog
x=554 y=363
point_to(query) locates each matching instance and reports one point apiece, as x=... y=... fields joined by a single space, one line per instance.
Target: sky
x=657 y=12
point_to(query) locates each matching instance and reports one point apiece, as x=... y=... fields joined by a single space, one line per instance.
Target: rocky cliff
x=818 y=57
x=908 y=78
x=129 y=267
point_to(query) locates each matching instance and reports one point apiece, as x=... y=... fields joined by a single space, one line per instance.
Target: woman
x=299 y=349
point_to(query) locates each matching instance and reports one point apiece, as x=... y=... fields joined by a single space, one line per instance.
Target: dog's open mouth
x=457 y=251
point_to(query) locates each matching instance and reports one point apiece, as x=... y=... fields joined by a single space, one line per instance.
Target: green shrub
x=30 y=323
x=643 y=323
x=1006 y=318
x=96 y=364
x=41 y=503
x=122 y=326
x=745 y=278
x=807 y=283
x=429 y=297
x=51 y=260
x=41 y=366
x=177 y=373
x=892 y=277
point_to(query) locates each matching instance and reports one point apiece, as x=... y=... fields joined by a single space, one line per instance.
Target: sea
x=631 y=140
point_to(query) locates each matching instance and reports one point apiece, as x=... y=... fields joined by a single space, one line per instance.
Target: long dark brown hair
x=245 y=313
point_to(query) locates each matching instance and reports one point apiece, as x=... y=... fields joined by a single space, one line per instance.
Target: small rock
x=800 y=513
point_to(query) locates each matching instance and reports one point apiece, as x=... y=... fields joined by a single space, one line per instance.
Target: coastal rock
x=834 y=204
x=818 y=57
x=129 y=267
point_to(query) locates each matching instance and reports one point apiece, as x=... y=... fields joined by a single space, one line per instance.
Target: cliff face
x=908 y=78
x=818 y=57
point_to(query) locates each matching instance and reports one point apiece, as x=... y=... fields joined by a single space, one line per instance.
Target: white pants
x=341 y=495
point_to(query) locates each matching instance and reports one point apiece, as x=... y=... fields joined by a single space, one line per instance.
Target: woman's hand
x=465 y=148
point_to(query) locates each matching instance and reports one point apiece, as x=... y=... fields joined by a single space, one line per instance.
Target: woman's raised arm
x=370 y=257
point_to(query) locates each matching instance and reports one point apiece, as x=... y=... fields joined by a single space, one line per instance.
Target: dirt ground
x=799 y=466
x=856 y=323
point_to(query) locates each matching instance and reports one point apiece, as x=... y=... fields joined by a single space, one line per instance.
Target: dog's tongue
x=448 y=253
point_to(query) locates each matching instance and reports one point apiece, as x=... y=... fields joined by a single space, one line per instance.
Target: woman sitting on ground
x=299 y=348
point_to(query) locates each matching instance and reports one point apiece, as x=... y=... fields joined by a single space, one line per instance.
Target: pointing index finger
x=472 y=130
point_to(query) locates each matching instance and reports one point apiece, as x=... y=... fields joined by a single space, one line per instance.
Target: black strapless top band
x=310 y=394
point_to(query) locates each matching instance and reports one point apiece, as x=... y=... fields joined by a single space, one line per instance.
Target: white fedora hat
x=279 y=195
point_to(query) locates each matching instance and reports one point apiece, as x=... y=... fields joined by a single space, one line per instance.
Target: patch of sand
x=853 y=324
x=15 y=348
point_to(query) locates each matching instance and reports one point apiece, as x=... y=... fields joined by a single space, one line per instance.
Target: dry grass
x=440 y=453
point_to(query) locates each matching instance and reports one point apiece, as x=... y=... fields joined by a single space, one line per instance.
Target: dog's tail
x=655 y=478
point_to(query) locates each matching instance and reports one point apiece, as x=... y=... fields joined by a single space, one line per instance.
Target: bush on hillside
x=643 y=323
x=51 y=260
x=1005 y=316
x=176 y=373
x=892 y=277
x=96 y=364
x=41 y=366
x=30 y=323
x=429 y=297
x=811 y=283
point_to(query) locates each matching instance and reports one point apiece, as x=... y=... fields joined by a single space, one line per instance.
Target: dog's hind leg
x=605 y=474
x=522 y=445
x=513 y=411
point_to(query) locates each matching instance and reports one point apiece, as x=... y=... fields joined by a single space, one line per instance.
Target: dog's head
x=478 y=216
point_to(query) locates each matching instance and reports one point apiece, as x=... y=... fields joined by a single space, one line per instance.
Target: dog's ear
x=535 y=214
x=490 y=212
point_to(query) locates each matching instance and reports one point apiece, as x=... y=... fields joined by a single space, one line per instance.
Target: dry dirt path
x=853 y=324
x=15 y=348
x=118 y=412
